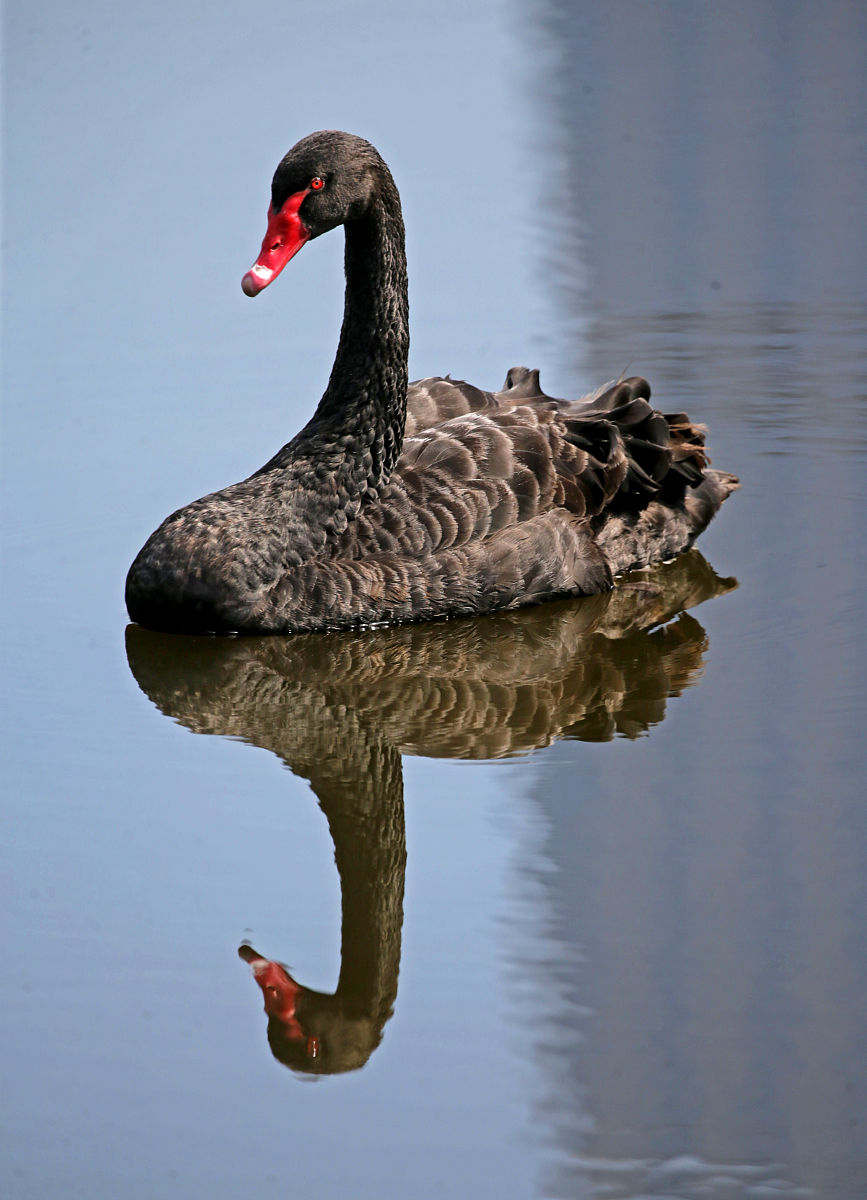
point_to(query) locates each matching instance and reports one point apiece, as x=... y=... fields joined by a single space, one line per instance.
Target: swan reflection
x=339 y=709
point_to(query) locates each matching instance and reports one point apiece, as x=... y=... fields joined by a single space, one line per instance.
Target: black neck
x=357 y=430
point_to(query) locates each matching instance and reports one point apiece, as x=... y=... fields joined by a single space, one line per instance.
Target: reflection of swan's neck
x=360 y=790
x=370 y=853
x=359 y=784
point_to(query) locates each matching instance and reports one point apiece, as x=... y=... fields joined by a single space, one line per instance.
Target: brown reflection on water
x=339 y=709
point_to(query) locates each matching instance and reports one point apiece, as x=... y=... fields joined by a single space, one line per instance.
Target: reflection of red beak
x=284 y=237
x=278 y=988
x=281 y=994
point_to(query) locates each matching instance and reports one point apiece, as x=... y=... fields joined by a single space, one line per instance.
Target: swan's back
x=502 y=499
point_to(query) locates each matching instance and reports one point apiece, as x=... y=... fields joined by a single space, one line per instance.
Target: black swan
x=402 y=502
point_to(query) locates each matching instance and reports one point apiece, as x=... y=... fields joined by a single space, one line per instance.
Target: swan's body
x=411 y=502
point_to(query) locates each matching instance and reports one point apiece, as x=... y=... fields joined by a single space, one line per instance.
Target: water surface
x=574 y=896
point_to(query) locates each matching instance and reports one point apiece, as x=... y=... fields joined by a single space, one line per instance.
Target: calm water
x=572 y=900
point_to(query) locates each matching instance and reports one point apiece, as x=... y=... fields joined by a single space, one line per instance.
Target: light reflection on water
x=767 y=364
x=703 y=922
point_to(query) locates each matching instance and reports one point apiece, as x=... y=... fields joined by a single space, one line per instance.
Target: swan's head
x=325 y=180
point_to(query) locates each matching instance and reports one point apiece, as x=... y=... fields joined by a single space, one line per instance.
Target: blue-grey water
x=576 y=895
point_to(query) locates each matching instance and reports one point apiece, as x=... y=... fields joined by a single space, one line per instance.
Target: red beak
x=284 y=237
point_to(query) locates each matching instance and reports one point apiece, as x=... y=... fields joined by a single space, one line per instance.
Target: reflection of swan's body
x=494 y=502
x=340 y=708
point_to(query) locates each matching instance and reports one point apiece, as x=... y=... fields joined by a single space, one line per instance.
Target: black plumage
x=403 y=502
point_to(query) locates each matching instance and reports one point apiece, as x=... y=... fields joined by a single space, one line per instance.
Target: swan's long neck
x=357 y=430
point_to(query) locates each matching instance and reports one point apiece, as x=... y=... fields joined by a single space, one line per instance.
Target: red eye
x=317 y=184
